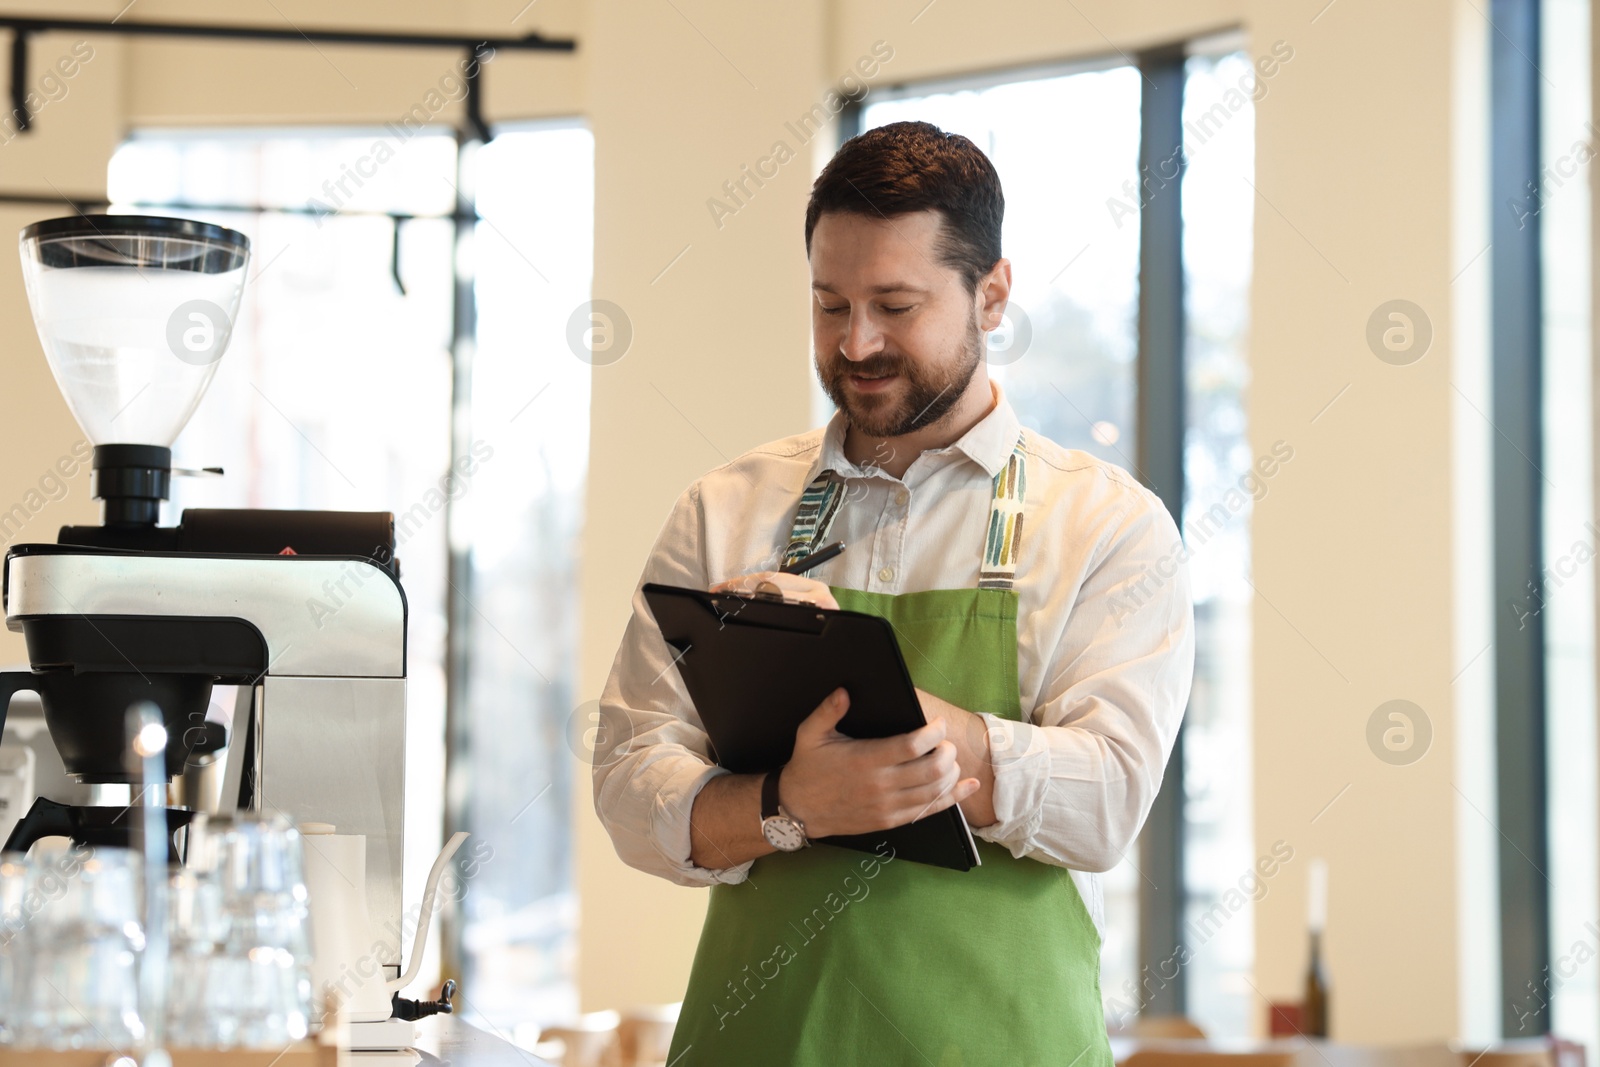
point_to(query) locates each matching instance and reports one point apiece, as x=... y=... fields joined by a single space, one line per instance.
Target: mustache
x=882 y=363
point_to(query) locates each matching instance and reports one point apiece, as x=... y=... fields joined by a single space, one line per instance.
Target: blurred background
x=1343 y=241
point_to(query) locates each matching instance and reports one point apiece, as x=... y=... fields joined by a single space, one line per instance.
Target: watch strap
x=769 y=794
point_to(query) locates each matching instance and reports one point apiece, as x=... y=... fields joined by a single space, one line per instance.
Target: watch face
x=783 y=834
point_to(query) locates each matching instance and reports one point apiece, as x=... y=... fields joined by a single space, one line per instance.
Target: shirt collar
x=988 y=443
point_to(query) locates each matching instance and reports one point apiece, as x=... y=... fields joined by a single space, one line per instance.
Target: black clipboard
x=755 y=667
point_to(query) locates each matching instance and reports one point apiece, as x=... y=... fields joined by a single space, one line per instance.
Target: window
x=1569 y=541
x=1222 y=484
x=530 y=405
x=1066 y=145
x=1067 y=152
x=336 y=392
x=1065 y=355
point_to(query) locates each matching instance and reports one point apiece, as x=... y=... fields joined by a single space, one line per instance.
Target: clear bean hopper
x=134 y=313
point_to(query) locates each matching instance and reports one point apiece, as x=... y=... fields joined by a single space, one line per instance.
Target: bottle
x=1314 y=1010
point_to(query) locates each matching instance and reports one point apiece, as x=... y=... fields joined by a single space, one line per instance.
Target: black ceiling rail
x=534 y=42
x=82 y=204
x=79 y=204
x=23 y=27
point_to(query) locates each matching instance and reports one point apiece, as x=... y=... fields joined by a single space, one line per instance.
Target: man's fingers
x=937 y=765
x=914 y=804
x=791 y=586
x=937 y=777
x=799 y=587
x=901 y=748
x=745 y=583
x=824 y=717
x=931 y=764
x=923 y=739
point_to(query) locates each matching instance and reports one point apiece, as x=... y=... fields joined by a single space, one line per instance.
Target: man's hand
x=833 y=784
x=792 y=586
x=970 y=736
x=841 y=785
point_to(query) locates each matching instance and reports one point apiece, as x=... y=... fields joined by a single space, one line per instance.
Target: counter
x=446 y=1039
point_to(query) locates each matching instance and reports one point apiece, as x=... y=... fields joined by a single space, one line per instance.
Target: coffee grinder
x=303 y=609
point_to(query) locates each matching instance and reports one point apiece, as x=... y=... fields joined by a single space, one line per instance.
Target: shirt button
x=886 y=574
x=902 y=497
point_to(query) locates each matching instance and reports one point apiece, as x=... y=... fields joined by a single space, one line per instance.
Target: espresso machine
x=301 y=609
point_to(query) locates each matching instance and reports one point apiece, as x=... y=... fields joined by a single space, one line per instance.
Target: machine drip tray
x=95 y=827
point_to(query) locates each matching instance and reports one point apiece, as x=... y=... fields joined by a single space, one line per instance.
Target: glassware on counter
x=198 y=927
x=74 y=954
x=239 y=959
x=241 y=946
x=13 y=874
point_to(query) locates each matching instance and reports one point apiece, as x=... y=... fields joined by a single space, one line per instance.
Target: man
x=1052 y=704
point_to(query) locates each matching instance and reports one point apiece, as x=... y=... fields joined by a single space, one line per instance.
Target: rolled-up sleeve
x=1074 y=784
x=651 y=756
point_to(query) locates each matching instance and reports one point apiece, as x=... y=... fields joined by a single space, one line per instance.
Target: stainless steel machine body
x=331 y=710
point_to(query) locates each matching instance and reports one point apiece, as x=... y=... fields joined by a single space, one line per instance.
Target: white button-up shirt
x=1105 y=635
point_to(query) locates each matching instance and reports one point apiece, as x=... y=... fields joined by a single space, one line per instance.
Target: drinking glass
x=258 y=990
x=13 y=890
x=75 y=959
x=198 y=929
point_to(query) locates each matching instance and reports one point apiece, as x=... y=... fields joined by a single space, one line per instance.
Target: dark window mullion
x=1516 y=355
x=1160 y=424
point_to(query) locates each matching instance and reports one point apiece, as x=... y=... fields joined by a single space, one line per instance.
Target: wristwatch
x=783 y=831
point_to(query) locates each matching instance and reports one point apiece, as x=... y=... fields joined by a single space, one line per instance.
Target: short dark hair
x=915 y=166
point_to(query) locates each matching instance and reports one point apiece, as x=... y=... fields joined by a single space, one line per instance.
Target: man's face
x=896 y=332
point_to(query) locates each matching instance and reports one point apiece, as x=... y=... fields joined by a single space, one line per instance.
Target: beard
x=932 y=386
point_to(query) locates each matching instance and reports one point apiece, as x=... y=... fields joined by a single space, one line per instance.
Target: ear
x=993 y=293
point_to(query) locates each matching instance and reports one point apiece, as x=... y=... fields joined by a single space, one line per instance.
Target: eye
x=899 y=310
x=841 y=309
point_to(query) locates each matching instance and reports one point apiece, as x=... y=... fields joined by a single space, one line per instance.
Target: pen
x=821 y=555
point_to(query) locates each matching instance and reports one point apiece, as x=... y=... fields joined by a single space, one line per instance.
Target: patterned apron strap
x=819 y=504
x=999 y=570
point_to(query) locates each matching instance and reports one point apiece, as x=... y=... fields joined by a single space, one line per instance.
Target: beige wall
x=718 y=363
x=184 y=83
x=1353 y=550
x=1354 y=546
x=65 y=153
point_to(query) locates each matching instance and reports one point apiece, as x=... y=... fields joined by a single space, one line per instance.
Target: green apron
x=828 y=956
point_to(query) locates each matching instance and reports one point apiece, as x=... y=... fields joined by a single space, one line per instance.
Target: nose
x=862 y=337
